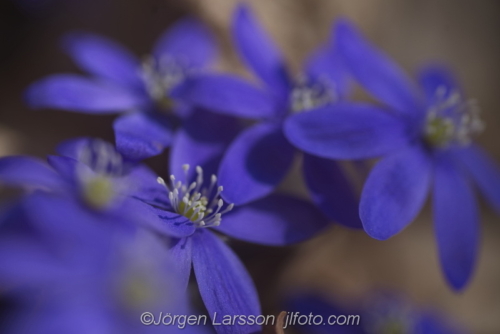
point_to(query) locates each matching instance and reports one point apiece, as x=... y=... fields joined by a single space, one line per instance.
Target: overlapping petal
x=28 y=172
x=255 y=163
x=395 y=192
x=181 y=255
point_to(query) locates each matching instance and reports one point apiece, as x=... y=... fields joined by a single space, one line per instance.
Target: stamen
x=198 y=203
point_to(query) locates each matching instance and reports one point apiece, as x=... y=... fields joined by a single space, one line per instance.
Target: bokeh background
x=341 y=264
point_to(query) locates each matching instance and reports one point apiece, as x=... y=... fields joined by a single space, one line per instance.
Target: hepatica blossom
x=260 y=156
x=121 y=83
x=426 y=141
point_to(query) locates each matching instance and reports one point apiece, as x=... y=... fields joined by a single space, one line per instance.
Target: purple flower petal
x=276 y=220
x=202 y=141
x=483 y=170
x=255 y=163
x=169 y=224
x=104 y=58
x=434 y=77
x=140 y=135
x=71 y=148
x=181 y=256
x=259 y=51
x=66 y=167
x=375 y=71
x=226 y=94
x=331 y=191
x=187 y=40
x=77 y=93
x=225 y=286
x=28 y=172
x=346 y=131
x=456 y=220
x=395 y=192
x=144 y=186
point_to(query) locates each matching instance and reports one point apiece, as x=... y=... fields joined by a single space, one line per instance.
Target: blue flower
x=260 y=157
x=425 y=139
x=121 y=83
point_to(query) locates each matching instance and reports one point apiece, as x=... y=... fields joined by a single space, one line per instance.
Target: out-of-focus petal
x=76 y=93
x=331 y=191
x=189 y=41
x=28 y=172
x=143 y=185
x=346 y=131
x=255 y=163
x=169 y=224
x=141 y=135
x=483 y=170
x=225 y=286
x=202 y=141
x=395 y=192
x=435 y=77
x=259 y=51
x=104 y=58
x=276 y=220
x=381 y=76
x=181 y=256
x=456 y=222
x=226 y=94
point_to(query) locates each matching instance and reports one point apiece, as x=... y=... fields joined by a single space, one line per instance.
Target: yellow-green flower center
x=98 y=192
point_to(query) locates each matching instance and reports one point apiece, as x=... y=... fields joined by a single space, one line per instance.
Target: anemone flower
x=425 y=139
x=121 y=83
x=260 y=157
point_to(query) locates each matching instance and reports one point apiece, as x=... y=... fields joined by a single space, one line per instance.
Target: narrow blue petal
x=255 y=163
x=456 y=223
x=188 y=41
x=169 y=224
x=259 y=51
x=226 y=94
x=484 y=171
x=346 y=131
x=202 y=141
x=378 y=74
x=434 y=77
x=395 y=192
x=77 y=93
x=225 y=286
x=331 y=191
x=28 y=172
x=181 y=257
x=104 y=58
x=276 y=220
x=141 y=135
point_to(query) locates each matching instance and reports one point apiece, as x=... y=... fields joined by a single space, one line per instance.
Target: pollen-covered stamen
x=451 y=120
x=160 y=76
x=308 y=95
x=202 y=205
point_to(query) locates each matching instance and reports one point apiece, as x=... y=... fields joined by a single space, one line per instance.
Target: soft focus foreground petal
x=202 y=141
x=484 y=171
x=378 y=74
x=77 y=93
x=331 y=191
x=28 y=172
x=143 y=185
x=346 y=131
x=438 y=77
x=255 y=163
x=104 y=58
x=188 y=41
x=395 y=192
x=276 y=220
x=225 y=286
x=456 y=223
x=226 y=94
x=141 y=135
x=181 y=256
x=259 y=52
x=71 y=148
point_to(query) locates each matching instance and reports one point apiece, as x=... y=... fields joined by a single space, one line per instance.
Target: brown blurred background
x=340 y=263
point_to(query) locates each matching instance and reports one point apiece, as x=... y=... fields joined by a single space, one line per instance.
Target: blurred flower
x=427 y=143
x=122 y=83
x=261 y=156
x=378 y=314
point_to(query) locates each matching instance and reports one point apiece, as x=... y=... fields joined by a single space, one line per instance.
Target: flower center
x=451 y=120
x=98 y=192
x=308 y=94
x=201 y=205
x=160 y=76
